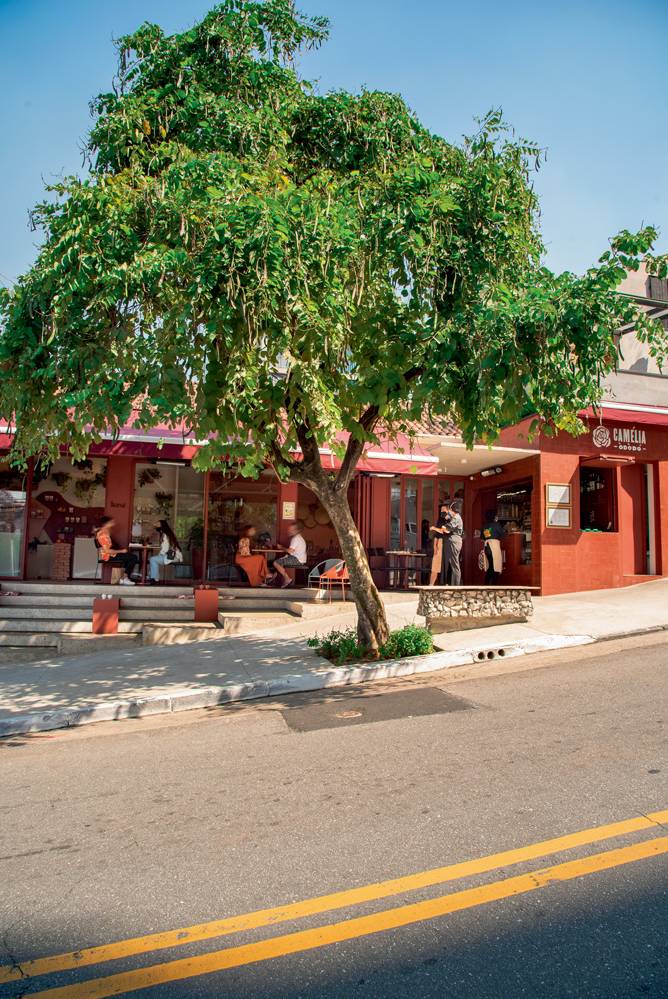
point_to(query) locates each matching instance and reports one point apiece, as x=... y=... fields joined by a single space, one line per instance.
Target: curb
x=293 y=683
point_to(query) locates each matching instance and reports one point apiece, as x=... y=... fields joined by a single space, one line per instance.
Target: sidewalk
x=104 y=686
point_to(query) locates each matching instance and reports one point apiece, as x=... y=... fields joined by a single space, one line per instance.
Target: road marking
x=350 y=929
x=325 y=903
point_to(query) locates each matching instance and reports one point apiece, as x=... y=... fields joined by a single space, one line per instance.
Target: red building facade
x=580 y=513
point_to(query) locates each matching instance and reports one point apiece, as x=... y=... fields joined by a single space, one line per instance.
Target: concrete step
x=82 y=645
x=23 y=613
x=139 y=601
x=19 y=639
x=89 y=589
x=256 y=604
x=268 y=593
x=166 y=613
x=85 y=603
x=248 y=624
x=156 y=633
x=59 y=626
x=33 y=600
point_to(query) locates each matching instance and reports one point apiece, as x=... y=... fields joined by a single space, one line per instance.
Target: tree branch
x=355 y=447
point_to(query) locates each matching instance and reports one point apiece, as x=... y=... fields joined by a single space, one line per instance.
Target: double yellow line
x=349 y=929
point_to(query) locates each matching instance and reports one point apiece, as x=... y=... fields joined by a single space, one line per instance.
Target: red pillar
x=119 y=495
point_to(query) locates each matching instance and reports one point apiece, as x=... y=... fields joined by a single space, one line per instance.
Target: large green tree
x=281 y=269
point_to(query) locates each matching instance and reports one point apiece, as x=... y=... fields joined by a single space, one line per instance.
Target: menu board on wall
x=558 y=505
x=559 y=494
x=558 y=516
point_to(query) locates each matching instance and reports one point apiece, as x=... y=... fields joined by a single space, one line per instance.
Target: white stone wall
x=472 y=606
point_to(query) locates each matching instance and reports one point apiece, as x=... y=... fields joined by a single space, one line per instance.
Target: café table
x=399 y=567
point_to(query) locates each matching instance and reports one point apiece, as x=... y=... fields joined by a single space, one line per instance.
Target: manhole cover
x=348 y=714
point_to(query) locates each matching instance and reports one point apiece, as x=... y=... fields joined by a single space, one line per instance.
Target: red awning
x=653 y=417
x=400 y=456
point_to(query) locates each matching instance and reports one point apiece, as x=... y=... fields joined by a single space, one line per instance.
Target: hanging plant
x=148 y=475
x=83 y=489
x=164 y=502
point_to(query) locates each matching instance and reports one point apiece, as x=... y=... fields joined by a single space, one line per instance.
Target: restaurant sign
x=621 y=438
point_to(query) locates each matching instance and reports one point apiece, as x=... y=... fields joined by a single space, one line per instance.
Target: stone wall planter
x=456 y=608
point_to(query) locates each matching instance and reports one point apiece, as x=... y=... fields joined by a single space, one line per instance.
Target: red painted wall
x=574 y=560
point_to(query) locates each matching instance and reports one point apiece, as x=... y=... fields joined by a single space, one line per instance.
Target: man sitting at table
x=296 y=554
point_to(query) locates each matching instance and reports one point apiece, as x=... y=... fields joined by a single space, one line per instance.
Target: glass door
x=171 y=491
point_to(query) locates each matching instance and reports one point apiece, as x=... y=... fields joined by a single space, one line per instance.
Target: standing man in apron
x=453 y=544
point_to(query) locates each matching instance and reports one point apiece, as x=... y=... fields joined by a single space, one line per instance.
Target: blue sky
x=587 y=80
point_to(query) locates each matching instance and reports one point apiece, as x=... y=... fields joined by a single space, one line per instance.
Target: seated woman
x=110 y=554
x=170 y=551
x=254 y=566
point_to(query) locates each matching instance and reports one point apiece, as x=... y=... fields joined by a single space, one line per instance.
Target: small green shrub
x=342 y=646
x=413 y=640
x=338 y=646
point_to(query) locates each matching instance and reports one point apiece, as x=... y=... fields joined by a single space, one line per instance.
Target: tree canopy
x=273 y=266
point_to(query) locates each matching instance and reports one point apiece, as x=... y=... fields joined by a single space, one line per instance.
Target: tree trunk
x=372 y=629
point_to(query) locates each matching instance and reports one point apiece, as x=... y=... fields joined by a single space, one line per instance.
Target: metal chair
x=336 y=575
x=317 y=570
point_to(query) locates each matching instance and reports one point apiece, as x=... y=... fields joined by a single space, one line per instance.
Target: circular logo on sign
x=601 y=437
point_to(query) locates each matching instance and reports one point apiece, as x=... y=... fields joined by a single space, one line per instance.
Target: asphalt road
x=127 y=830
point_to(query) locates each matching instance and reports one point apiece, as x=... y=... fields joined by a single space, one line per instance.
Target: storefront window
x=427 y=512
x=597 y=499
x=174 y=492
x=395 y=514
x=410 y=515
x=12 y=520
x=235 y=502
x=67 y=503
